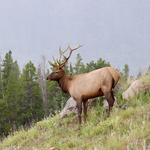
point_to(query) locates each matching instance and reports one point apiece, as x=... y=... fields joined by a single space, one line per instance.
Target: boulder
x=135 y=88
x=71 y=107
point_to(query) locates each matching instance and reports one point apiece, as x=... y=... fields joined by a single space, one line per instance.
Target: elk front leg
x=85 y=109
x=79 y=108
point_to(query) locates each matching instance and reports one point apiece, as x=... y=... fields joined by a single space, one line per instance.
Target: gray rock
x=71 y=106
x=135 y=88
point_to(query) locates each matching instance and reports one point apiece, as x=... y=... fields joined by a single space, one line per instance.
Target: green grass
x=146 y=78
x=124 y=129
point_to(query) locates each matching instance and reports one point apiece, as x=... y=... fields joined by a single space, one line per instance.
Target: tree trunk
x=43 y=86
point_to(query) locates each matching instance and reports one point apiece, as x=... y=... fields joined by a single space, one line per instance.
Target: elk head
x=59 y=64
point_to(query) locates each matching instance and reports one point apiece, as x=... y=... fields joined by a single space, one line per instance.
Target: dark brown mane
x=64 y=82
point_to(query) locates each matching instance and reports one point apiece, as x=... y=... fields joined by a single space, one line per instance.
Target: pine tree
x=31 y=103
x=10 y=89
x=148 y=70
x=101 y=63
x=96 y=65
x=79 y=66
x=126 y=71
x=1 y=86
x=12 y=92
x=7 y=66
x=70 y=69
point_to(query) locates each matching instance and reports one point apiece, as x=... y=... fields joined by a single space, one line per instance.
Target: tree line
x=26 y=96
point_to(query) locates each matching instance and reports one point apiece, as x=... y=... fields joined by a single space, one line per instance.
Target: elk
x=82 y=87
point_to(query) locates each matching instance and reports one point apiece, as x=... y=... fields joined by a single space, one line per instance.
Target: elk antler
x=67 y=58
x=54 y=64
x=58 y=63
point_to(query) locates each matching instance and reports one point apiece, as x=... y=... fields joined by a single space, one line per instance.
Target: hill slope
x=124 y=129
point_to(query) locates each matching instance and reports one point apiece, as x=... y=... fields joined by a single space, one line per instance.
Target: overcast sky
x=116 y=30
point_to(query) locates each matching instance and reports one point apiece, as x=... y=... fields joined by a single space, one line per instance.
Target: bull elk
x=82 y=87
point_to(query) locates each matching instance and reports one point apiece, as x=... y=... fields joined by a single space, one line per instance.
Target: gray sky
x=116 y=30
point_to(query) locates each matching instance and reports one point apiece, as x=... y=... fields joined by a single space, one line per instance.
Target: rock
x=105 y=104
x=135 y=88
x=124 y=106
x=71 y=106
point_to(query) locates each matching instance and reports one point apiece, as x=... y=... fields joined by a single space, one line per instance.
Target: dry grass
x=124 y=129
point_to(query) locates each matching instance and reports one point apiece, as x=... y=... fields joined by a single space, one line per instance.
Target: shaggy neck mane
x=64 y=82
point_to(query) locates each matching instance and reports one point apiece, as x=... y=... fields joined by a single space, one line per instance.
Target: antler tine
x=57 y=62
x=61 y=52
x=54 y=60
x=74 y=48
x=71 y=50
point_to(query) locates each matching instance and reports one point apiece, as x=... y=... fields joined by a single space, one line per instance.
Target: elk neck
x=64 y=83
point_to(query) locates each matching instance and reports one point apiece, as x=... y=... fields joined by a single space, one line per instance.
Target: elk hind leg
x=110 y=99
x=85 y=109
x=79 y=108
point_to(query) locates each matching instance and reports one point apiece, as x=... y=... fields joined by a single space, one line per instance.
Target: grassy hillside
x=124 y=129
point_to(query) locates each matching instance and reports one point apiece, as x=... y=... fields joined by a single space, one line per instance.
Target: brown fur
x=85 y=86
